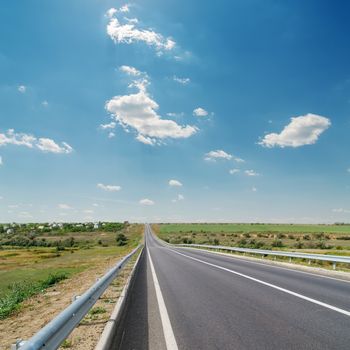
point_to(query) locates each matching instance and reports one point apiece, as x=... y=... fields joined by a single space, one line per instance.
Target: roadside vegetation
x=324 y=239
x=20 y=291
x=34 y=257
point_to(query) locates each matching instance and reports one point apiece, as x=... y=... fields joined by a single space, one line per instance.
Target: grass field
x=251 y=228
x=35 y=263
x=327 y=239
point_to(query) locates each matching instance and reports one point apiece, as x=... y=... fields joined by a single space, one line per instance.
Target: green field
x=251 y=228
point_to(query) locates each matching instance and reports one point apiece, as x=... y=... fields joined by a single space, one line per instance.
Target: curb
x=114 y=321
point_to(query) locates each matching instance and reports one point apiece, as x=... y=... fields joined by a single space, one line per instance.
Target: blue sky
x=174 y=111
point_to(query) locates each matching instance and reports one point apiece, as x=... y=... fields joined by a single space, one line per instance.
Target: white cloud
x=139 y=111
x=131 y=20
x=146 y=140
x=238 y=160
x=146 y=201
x=234 y=171
x=22 y=89
x=341 y=210
x=179 y=197
x=128 y=33
x=45 y=103
x=254 y=189
x=200 y=112
x=95 y=205
x=183 y=81
x=175 y=183
x=13 y=206
x=348 y=170
x=130 y=70
x=111 y=12
x=175 y=115
x=220 y=154
x=303 y=130
x=251 y=173
x=111 y=135
x=1 y=161
x=64 y=206
x=124 y=8
x=109 y=188
x=30 y=141
x=48 y=145
x=110 y=125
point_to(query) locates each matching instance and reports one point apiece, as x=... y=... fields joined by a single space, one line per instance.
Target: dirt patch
x=39 y=310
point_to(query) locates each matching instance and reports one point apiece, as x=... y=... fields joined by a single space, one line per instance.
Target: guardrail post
x=290 y=260
x=18 y=344
x=334 y=265
x=75 y=297
x=309 y=262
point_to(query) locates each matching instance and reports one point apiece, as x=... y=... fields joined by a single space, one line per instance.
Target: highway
x=190 y=299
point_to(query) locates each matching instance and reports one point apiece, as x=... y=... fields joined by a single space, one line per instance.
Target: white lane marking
x=328 y=306
x=167 y=329
x=264 y=264
x=245 y=259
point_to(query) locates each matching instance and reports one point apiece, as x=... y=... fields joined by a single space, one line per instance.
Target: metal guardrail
x=322 y=257
x=56 y=331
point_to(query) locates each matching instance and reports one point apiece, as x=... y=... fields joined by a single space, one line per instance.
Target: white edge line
x=167 y=329
x=317 y=302
x=292 y=268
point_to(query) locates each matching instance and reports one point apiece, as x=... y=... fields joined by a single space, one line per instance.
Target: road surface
x=190 y=299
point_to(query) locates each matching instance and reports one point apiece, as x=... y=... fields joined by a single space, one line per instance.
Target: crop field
x=332 y=239
x=31 y=258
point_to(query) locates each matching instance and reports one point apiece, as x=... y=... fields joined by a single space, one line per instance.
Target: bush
x=298 y=245
x=97 y=310
x=344 y=238
x=242 y=242
x=323 y=245
x=258 y=245
x=277 y=243
x=53 y=279
x=306 y=237
x=121 y=239
x=216 y=241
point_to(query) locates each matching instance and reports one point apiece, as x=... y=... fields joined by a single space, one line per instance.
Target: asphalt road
x=211 y=301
